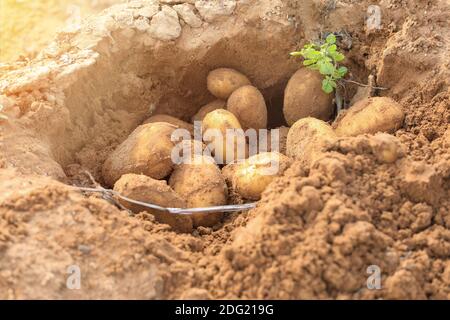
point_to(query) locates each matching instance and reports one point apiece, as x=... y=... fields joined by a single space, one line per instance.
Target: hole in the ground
x=125 y=89
x=274 y=97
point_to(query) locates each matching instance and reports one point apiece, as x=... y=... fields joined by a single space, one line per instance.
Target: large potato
x=371 y=115
x=248 y=105
x=226 y=148
x=207 y=108
x=172 y=120
x=223 y=81
x=201 y=183
x=146 y=151
x=252 y=176
x=307 y=138
x=304 y=97
x=145 y=189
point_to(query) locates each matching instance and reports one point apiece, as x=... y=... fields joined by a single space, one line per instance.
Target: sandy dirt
x=316 y=230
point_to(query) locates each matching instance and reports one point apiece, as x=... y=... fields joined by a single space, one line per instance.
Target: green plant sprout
x=325 y=58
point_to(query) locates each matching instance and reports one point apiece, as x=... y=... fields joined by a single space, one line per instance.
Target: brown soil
x=315 y=231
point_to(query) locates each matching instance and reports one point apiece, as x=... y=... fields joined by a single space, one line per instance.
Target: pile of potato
x=141 y=167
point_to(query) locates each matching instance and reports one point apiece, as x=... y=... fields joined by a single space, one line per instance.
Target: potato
x=146 y=151
x=307 y=138
x=248 y=105
x=304 y=97
x=371 y=115
x=223 y=81
x=207 y=108
x=172 y=120
x=202 y=185
x=145 y=189
x=225 y=149
x=252 y=176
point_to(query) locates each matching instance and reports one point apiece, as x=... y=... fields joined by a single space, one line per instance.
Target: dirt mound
x=318 y=232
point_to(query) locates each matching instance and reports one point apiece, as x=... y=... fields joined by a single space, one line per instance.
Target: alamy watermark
x=73 y=281
x=228 y=146
x=374 y=280
x=373 y=21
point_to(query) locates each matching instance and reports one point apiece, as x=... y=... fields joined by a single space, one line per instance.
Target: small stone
x=148 y=11
x=135 y=4
x=421 y=182
x=165 y=24
x=124 y=18
x=142 y=24
x=211 y=10
x=84 y=249
x=186 y=12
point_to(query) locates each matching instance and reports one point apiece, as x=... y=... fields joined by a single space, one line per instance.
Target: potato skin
x=143 y=188
x=248 y=105
x=172 y=120
x=222 y=82
x=304 y=97
x=371 y=115
x=222 y=120
x=147 y=150
x=202 y=185
x=207 y=108
x=252 y=176
x=307 y=138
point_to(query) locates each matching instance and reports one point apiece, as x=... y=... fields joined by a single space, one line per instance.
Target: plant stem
x=363 y=85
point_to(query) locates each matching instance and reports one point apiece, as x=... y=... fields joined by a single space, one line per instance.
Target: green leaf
x=342 y=71
x=338 y=56
x=324 y=58
x=325 y=67
x=331 y=39
x=308 y=62
x=332 y=49
x=327 y=87
x=296 y=54
x=310 y=54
